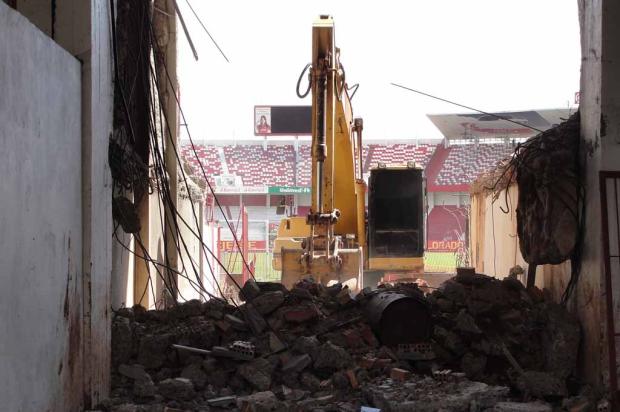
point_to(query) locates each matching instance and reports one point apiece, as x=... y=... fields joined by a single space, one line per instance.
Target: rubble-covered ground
x=497 y=347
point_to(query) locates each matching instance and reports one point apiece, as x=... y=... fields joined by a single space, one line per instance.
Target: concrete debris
x=314 y=349
x=136 y=372
x=258 y=373
x=268 y=302
x=306 y=345
x=222 y=402
x=424 y=394
x=297 y=364
x=261 y=402
x=144 y=388
x=331 y=357
x=522 y=407
x=541 y=385
x=498 y=332
x=249 y=291
x=195 y=373
x=177 y=389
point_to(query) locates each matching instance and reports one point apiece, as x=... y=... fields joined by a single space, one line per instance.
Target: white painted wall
x=83 y=28
x=494 y=245
x=41 y=221
x=210 y=267
x=123 y=261
x=190 y=283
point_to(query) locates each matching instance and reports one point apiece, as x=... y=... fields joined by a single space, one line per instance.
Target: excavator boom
x=331 y=247
x=330 y=243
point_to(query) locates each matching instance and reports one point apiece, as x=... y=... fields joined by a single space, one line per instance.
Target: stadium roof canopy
x=483 y=126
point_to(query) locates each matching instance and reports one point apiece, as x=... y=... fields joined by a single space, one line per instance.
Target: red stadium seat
x=273 y=165
x=466 y=162
x=209 y=158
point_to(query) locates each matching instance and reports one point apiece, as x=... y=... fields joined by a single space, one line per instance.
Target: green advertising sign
x=288 y=190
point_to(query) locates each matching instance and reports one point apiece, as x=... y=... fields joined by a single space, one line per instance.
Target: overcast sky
x=494 y=55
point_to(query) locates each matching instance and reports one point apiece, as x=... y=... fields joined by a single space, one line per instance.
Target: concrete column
x=166 y=60
x=600 y=114
x=83 y=28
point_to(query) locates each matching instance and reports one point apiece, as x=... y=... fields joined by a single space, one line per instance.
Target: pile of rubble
x=497 y=332
x=317 y=348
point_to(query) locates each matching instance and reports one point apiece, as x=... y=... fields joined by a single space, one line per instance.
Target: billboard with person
x=262 y=120
x=282 y=120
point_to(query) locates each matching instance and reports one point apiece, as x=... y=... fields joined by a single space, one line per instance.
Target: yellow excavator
x=340 y=239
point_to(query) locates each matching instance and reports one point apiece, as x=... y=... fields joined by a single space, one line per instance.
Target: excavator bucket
x=348 y=272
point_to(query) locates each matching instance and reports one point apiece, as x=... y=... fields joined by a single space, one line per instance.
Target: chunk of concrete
x=522 y=407
x=249 y=291
x=297 y=363
x=144 y=387
x=257 y=373
x=267 y=302
x=331 y=357
x=306 y=344
x=195 y=374
x=178 y=389
x=135 y=371
x=152 y=350
x=264 y=401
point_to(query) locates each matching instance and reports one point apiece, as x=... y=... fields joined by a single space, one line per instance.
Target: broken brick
x=369 y=336
x=352 y=378
x=222 y=325
x=399 y=375
x=267 y=302
x=382 y=362
x=249 y=291
x=297 y=364
x=344 y=296
x=352 y=338
x=301 y=314
x=367 y=362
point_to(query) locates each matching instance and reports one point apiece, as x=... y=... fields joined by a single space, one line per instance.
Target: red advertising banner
x=445 y=245
x=254 y=245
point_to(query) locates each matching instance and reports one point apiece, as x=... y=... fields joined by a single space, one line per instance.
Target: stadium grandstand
x=270 y=179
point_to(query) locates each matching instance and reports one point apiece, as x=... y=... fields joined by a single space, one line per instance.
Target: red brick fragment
x=301 y=314
x=367 y=363
x=352 y=379
x=399 y=375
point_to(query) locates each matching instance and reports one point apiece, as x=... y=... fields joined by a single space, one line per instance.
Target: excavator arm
x=331 y=245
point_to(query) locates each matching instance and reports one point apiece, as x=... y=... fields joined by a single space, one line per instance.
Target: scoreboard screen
x=282 y=120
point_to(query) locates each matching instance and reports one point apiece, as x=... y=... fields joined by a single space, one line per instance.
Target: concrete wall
x=123 y=261
x=40 y=215
x=192 y=279
x=211 y=268
x=494 y=243
x=83 y=27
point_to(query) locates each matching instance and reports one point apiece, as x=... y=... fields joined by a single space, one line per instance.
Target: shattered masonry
x=493 y=345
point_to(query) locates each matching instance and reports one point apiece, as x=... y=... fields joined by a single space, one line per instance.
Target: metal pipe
x=320 y=148
x=358 y=125
x=193 y=350
x=399 y=318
